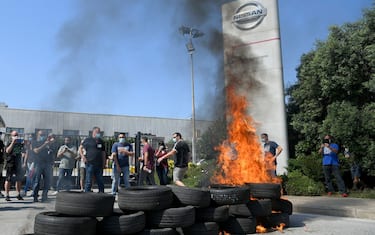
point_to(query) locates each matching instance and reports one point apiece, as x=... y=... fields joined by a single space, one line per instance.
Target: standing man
x=271 y=151
x=121 y=151
x=67 y=154
x=2 y=146
x=329 y=151
x=148 y=169
x=94 y=159
x=181 y=152
x=14 y=151
x=44 y=158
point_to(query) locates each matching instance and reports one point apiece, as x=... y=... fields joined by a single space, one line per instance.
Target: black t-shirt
x=94 y=150
x=2 y=150
x=46 y=155
x=181 y=158
x=14 y=157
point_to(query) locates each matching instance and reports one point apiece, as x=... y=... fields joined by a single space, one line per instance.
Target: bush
x=300 y=185
x=199 y=175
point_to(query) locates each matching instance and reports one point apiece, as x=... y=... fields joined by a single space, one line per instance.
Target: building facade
x=81 y=124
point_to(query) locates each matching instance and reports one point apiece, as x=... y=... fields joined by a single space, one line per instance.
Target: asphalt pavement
x=17 y=217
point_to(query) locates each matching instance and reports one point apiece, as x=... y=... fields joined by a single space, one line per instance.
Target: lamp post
x=191 y=33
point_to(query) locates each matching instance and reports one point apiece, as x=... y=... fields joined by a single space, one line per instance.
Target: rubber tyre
x=171 y=217
x=159 y=231
x=260 y=207
x=237 y=225
x=275 y=219
x=229 y=195
x=240 y=210
x=84 y=204
x=212 y=214
x=265 y=190
x=145 y=198
x=50 y=222
x=120 y=223
x=205 y=228
x=198 y=197
x=282 y=205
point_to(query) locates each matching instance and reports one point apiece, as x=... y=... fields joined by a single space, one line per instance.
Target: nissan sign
x=249 y=15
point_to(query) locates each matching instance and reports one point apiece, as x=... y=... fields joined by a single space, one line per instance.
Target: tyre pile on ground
x=165 y=210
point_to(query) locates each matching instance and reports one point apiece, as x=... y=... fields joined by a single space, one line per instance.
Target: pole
x=193 y=110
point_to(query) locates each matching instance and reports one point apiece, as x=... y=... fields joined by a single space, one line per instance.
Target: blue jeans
x=30 y=176
x=328 y=171
x=116 y=178
x=97 y=171
x=46 y=171
x=67 y=174
x=163 y=175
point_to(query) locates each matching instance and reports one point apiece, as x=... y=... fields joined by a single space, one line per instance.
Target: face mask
x=263 y=140
x=122 y=140
x=42 y=138
x=14 y=137
x=30 y=139
x=97 y=135
x=174 y=140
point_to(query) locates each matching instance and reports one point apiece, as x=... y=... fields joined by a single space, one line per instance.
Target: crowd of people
x=34 y=157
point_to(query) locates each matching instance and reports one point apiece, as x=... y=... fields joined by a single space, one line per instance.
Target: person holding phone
x=329 y=151
x=14 y=151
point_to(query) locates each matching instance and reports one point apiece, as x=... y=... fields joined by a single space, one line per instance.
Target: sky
x=127 y=57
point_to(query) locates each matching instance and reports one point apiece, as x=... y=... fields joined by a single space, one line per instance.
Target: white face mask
x=122 y=140
x=174 y=140
x=263 y=140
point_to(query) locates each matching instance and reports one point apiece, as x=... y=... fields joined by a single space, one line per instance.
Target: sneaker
x=329 y=193
x=55 y=193
x=19 y=197
x=36 y=199
x=344 y=195
x=7 y=198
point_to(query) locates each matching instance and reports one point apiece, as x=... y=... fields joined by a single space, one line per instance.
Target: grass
x=366 y=193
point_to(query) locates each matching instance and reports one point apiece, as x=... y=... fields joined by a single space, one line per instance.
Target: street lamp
x=191 y=33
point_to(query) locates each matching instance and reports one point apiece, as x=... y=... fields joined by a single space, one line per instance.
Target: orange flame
x=280 y=228
x=261 y=229
x=241 y=158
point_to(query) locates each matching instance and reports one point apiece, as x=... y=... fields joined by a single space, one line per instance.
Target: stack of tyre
x=165 y=210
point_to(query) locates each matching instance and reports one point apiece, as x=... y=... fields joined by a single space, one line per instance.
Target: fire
x=241 y=158
x=261 y=229
x=280 y=228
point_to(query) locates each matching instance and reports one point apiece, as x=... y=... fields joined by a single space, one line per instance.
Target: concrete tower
x=252 y=53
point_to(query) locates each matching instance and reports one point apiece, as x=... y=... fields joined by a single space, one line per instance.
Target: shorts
x=14 y=170
x=82 y=173
x=179 y=173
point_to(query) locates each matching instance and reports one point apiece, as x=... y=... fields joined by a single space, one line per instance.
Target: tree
x=335 y=92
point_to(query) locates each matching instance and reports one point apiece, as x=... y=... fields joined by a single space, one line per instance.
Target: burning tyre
x=229 y=195
x=265 y=190
x=238 y=225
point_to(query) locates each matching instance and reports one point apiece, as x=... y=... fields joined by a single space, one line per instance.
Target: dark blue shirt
x=123 y=159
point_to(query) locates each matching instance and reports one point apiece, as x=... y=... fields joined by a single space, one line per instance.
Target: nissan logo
x=249 y=15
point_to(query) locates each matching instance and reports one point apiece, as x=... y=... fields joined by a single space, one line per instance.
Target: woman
x=162 y=167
